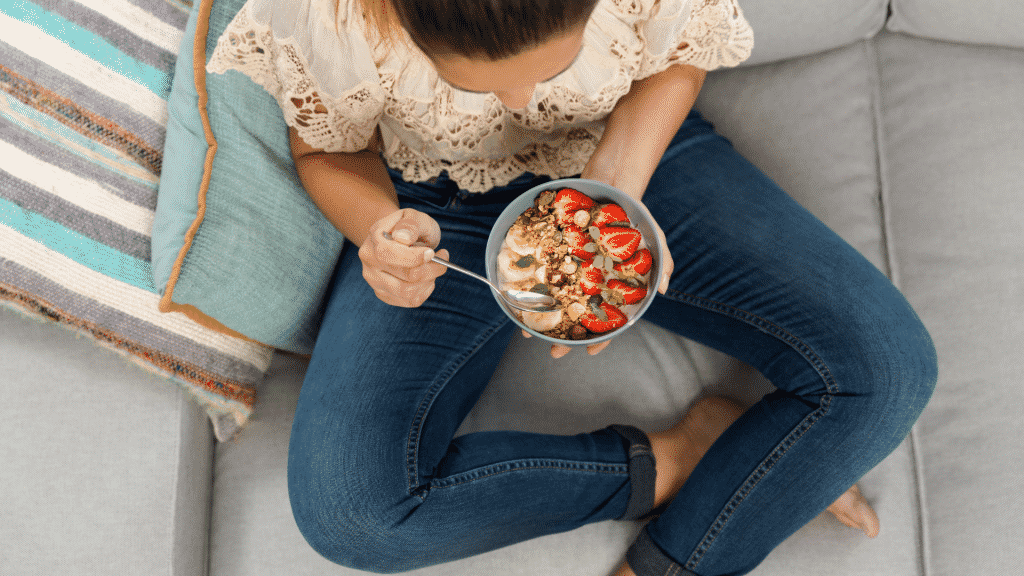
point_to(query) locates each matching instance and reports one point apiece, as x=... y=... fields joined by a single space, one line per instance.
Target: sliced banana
x=542 y=321
x=507 y=266
x=516 y=240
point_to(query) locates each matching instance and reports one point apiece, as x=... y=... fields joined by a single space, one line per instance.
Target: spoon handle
x=463 y=270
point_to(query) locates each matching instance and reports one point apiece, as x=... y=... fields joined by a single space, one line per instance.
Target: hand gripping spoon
x=519 y=299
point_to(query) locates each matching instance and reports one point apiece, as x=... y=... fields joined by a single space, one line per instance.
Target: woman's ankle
x=678 y=449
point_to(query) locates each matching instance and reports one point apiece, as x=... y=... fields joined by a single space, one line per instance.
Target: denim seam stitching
x=416 y=428
x=639 y=451
x=783 y=447
x=767 y=326
x=515 y=466
x=752 y=481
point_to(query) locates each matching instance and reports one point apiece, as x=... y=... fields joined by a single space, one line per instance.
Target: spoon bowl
x=519 y=299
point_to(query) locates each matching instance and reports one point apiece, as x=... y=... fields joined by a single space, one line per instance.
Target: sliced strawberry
x=576 y=239
x=590 y=278
x=630 y=294
x=611 y=214
x=638 y=265
x=607 y=319
x=620 y=242
x=568 y=202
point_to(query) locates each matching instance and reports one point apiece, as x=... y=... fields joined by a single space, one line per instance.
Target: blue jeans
x=378 y=483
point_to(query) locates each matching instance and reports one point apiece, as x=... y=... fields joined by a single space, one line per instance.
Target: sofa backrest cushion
x=790 y=28
x=996 y=22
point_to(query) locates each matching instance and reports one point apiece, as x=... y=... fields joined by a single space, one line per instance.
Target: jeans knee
x=901 y=368
x=917 y=366
x=345 y=539
x=354 y=530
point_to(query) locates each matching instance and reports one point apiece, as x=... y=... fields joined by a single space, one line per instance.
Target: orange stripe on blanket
x=83 y=121
x=231 y=390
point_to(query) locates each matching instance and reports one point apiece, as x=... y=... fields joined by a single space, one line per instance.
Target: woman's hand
x=399 y=273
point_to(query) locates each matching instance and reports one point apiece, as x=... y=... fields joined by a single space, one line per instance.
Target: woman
x=423 y=119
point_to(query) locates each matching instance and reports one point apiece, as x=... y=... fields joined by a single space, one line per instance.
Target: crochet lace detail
x=716 y=36
x=472 y=136
x=331 y=123
x=439 y=135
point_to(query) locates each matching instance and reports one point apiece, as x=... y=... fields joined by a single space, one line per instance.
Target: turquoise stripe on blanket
x=81 y=249
x=89 y=44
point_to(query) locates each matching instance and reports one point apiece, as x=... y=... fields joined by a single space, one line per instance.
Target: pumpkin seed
x=595 y=233
x=599 y=262
x=590 y=247
x=526 y=261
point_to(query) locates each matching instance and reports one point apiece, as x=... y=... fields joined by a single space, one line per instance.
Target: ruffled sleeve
x=319 y=69
x=707 y=34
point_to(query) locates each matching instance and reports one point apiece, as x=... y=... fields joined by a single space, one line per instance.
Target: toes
x=869 y=519
x=853 y=510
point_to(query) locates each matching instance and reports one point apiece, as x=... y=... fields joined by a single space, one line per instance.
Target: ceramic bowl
x=638 y=214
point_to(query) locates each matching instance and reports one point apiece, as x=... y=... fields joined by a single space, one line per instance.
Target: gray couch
x=907 y=140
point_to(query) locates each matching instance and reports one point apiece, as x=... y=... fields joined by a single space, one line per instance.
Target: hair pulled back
x=476 y=29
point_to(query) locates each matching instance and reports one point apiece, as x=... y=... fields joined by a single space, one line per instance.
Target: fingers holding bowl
x=560 y=350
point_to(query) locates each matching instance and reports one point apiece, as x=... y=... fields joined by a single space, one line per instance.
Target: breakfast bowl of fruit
x=587 y=244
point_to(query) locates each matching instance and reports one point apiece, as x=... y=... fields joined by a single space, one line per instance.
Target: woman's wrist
x=641 y=126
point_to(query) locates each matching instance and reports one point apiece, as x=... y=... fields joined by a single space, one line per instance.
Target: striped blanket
x=83 y=112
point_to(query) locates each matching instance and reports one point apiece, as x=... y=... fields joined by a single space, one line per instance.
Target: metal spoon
x=518 y=299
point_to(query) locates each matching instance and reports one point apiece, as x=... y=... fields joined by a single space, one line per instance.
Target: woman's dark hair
x=477 y=29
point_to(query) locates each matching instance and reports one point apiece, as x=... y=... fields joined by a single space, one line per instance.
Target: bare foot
x=624 y=570
x=678 y=449
x=853 y=510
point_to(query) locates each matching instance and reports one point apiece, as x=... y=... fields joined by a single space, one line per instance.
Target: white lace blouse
x=335 y=87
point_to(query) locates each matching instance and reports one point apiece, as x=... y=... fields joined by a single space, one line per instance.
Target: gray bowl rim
x=639 y=216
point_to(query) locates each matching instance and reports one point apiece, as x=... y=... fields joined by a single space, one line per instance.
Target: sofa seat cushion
x=809 y=124
x=105 y=469
x=253 y=531
x=954 y=157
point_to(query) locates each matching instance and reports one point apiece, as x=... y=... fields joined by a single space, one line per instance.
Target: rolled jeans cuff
x=645 y=558
x=641 y=472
